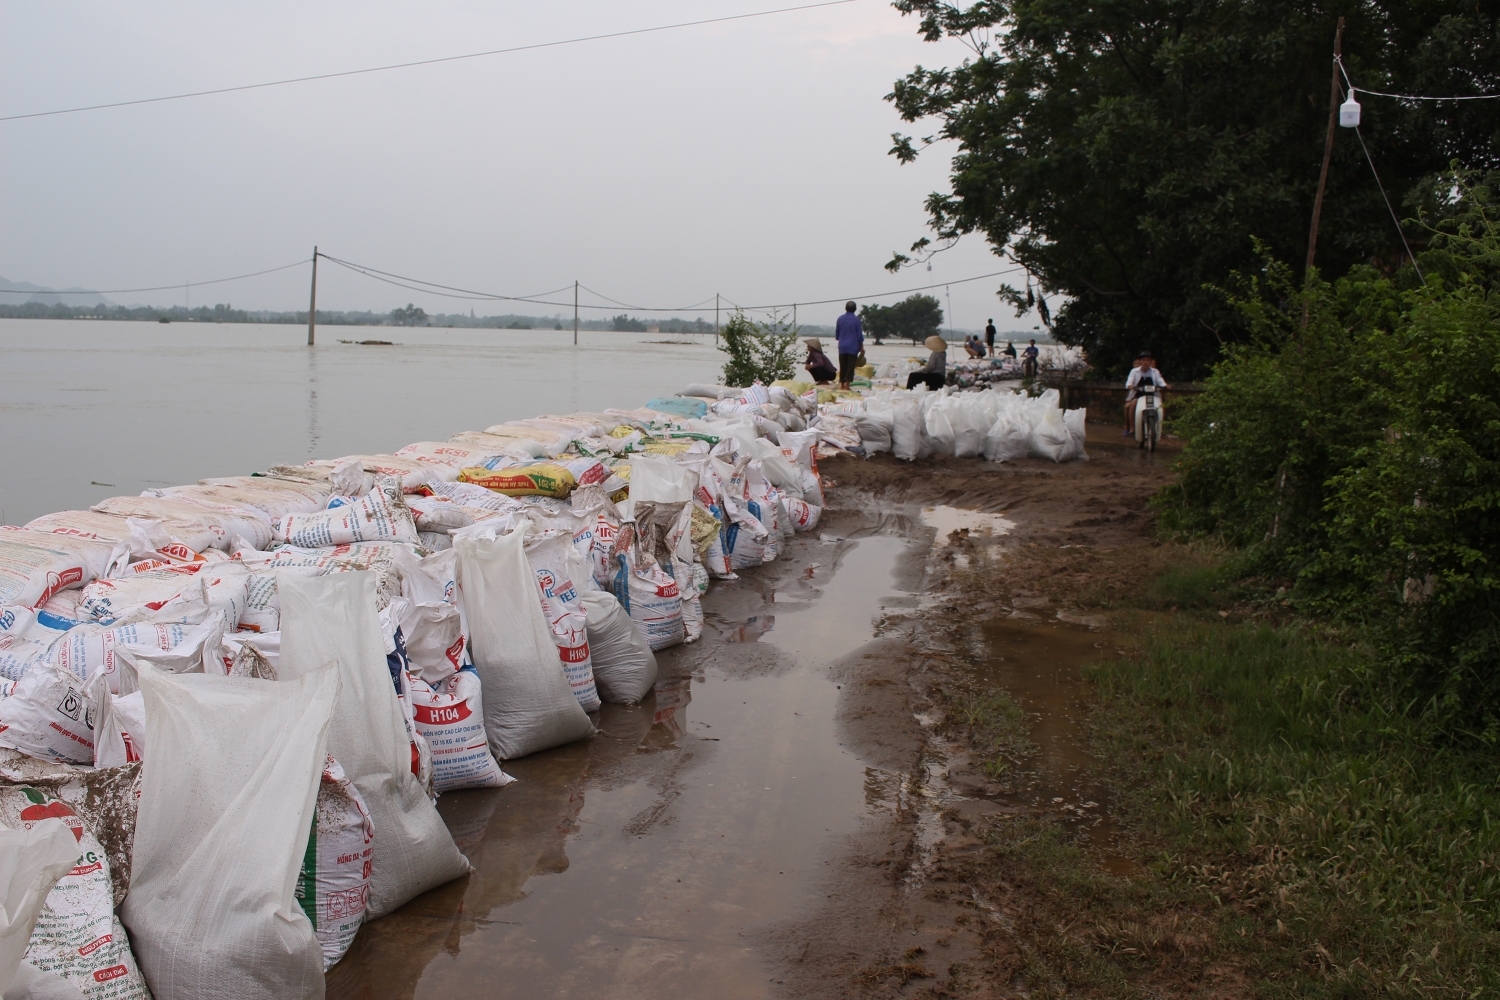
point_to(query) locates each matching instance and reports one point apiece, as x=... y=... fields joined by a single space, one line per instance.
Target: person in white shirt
x=1145 y=369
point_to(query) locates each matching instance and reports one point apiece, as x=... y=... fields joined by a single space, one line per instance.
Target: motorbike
x=1148 y=416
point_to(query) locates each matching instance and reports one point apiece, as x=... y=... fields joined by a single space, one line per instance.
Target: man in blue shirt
x=851 y=338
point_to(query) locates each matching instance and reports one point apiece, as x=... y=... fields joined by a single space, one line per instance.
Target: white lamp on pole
x=1349 y=112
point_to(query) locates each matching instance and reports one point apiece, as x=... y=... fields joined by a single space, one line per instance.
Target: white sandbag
x=333 y=884
x=199 y=526
x=453 y=454
x=660 y=480
x=549 y=555
x=32 y=859
x=272 y=497
x=528 y=705
x=84 y=650
x=26 y=637
x=435 y=640
x=438 y=513
x=108 y=599
x=906 y=427
x=450 y=717
x=222 y=832
x=647 y=592
x=48 y=716
x=34 y=565
x=1009 y=438
x=380 y=515
x=78 y=944
x=409 y=473
x=802 y=515
x=1049 y=438
x=875 y=426
x=1076 y=423
x=333 y=618
x=119 y=728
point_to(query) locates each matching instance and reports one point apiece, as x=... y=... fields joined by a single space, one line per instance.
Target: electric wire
x=1390 y=208
x=1409 y=97
x=425 y=62
x=627 y=305
x=154 y=288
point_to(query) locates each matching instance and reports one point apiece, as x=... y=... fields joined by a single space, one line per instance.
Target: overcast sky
x=748 y=158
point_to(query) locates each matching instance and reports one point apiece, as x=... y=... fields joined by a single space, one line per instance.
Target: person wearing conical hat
x=936 y=371
x=818 y=365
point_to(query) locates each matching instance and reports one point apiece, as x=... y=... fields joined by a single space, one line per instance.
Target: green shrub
x=758 y=352
x=1356 y=456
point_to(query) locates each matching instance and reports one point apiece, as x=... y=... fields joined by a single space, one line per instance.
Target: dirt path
x=787 y=816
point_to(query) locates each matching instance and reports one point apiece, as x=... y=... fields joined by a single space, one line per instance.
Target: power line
x=425 y=62
x=1410 y=97
x=1389 y=208
x=154 y=288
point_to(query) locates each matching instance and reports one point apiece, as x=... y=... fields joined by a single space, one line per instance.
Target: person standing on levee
x=850 y=334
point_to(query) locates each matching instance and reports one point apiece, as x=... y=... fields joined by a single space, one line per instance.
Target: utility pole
x=575 y=314
x=312 y=305
x=794 y=317
x=716 y=319
x=1333 y=121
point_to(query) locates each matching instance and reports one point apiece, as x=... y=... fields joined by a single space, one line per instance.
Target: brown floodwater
x=638 y=862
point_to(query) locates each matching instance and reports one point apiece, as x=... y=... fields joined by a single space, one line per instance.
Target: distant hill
x=11 y=293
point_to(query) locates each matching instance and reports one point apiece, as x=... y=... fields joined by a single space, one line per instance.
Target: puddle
x=1041 y=666
x=636 y=863
x=950 y=519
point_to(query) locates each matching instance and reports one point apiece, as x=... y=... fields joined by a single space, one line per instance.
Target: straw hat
x=936 y=343
x=814 y=343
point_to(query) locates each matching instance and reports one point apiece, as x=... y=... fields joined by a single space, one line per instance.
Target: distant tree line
x=408 y=315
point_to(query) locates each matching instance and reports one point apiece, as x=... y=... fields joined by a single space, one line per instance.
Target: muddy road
x=781 y=817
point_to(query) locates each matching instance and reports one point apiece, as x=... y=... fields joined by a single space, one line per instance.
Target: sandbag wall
x=239 y=698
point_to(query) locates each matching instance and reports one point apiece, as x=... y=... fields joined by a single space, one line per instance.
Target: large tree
x=1130 y=153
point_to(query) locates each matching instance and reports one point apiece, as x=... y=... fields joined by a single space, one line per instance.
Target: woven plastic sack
x=450 y=716
x=333 y=884
x=34 y=565
x=221 y=834
x=32 y=859
x=528 y=705
x=380 y=515
x=78 y=947
x=333 y=619
x=549 y=554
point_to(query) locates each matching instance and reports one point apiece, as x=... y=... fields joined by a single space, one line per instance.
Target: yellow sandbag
x=663 y=446
x=826 y=396
x=865 y=371
x=536 y=479
x=796 y=386
x=623 y=431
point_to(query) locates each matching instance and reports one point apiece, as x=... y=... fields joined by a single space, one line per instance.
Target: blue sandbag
x=679 y=406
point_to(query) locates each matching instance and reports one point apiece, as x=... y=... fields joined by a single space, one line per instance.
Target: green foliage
x=917 y=316
x=758 y=352
x=1356 y=849
x=1125 y=153
x=1358 y=459
x=624 y=324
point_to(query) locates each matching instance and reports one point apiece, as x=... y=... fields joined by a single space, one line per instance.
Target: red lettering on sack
x=113 y=972
x=60 y=581
x=667 y=590
x=442 y=715
x=573 y=654
x=97 y=943
x=455 y=651
x=84 y=869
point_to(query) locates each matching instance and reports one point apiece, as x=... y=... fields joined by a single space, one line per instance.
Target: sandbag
x=333 y=884
x=660 y=480
x=646 y=591
x=1009 y=438
x=26 y=637
x=1050 y=439
x=380 y=515
x=222 y=831
x=333 y=618
x=528 y=705
x=435 y=640
x=199 y=526
x=549 y=555
x=32 y=859
x=450 y=717
x=546 y=479
x=906 y=427
x=48 y=715
x=78 y=943
x=34 y=565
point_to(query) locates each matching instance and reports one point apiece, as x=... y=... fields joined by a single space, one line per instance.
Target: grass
x=1357 y=851
x=1304 y=832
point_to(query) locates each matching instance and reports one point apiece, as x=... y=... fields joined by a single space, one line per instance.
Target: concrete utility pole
x=1333 y=121
x=716 y=319
x=312 y=305
x=575 y=314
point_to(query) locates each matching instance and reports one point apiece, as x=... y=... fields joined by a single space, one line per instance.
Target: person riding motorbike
x=1145 y=369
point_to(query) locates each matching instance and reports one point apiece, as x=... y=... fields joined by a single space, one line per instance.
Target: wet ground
x=773 y=822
